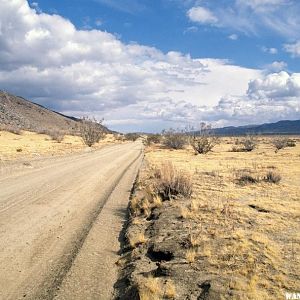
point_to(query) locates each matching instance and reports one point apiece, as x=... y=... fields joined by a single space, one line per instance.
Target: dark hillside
x=23 y=114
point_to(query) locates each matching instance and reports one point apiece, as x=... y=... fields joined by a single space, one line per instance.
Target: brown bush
x=131 y=136
x=247 y=179
x=247 y=144
x=291 y=143
x=153 y=139
x=173 y=139
x=280 y=143
x=204 y=143
x=171 y=182
x=56 y=136
x=272 y=177
x=91 y=131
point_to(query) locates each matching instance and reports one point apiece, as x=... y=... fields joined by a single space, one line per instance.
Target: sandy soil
x=29 y=145
x=46 y=214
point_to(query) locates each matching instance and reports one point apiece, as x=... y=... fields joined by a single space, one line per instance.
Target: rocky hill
x=22 y=114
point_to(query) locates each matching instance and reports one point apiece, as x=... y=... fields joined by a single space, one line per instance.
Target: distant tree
x=91 y=131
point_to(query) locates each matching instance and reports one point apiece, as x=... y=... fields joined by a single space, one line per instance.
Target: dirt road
x=60 y=223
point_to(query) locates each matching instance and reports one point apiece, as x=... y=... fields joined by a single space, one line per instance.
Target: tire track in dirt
x=41 y=237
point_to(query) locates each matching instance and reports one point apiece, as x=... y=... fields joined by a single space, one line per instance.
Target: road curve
x=58 y=221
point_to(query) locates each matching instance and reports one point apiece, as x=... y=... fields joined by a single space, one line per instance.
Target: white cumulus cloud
x=134 y=87
x=201 y=15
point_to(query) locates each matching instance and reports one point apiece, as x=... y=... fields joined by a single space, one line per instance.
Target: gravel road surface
x=60 y=224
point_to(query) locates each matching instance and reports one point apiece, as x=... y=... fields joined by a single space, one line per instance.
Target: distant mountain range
x=281 y=127
x=18 y=112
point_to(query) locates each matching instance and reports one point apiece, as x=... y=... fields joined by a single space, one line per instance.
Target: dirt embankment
x=229 y=240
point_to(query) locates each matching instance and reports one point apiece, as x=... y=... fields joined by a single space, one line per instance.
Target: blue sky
x=147 y=65
x=164 y=24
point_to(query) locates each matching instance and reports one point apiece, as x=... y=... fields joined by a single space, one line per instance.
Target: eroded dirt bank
x=227 y=241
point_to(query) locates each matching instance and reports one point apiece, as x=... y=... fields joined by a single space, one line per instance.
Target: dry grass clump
x=246 y=179
x=203 y=144
x=136 y=238
x=170 y=290
x=143 y=204
x=272 y=177
x=173 y=139
x=170 y=182
x=140 y=206
x=152 y=288
x=191 y=255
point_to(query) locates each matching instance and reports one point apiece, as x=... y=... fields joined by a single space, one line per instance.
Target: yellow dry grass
x=250 y=233
x=31 y=144
x=151 y=288
x=136 y=238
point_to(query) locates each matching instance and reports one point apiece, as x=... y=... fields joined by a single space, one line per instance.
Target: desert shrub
x=91 y=131
x=272 y=177
x=56 y=136
x=19 y=149
x=11 y=128
x=153 y=139
x=244 y=179
x=173 y=139
x=204 y=140
x=291 y=143
x=249 y=143
x=171 y=182
x=131 y=136
x=204 y=143
x=280 y=143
